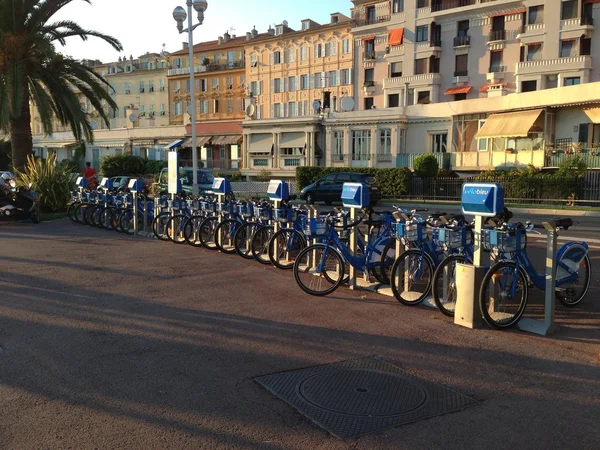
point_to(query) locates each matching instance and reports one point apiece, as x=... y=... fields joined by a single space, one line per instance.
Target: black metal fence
x=526 y=190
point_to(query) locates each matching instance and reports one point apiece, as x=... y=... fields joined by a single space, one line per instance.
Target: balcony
x=369 y=87
x=553 y=66
x=210 y=67
x=369 y=55
x=394 y=50
x=496 y=73
x=462 y=41
x=443 y=6
x=591 y=157
x=574 y=28
x=408 y=160
x=366 y=21
x=437 y=43
x=497 y=35
x=339 y=158
x=425 y=79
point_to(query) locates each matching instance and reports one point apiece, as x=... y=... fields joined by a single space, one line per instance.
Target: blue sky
x=144 y=25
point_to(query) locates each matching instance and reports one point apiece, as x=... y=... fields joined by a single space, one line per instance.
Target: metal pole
x=550 y=293
x=135 y=213
x=193 y=98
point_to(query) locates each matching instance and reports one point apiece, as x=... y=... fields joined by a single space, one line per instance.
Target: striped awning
x=513 y=124
x=57 y=144
x=508 y=13
x=396 y=36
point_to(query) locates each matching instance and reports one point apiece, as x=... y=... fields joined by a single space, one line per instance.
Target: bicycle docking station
x=480 y=200
x=106 y=185
x=278 y=192
x=136 y=185
x=355 y=196
x=221 y=187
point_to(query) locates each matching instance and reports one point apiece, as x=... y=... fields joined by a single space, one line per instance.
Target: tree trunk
x=20 y=134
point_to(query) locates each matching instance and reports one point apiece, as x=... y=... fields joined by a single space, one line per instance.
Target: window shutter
x=349 y=76
x=316 y=51
x=285 y=109
x=136 y=151
x=271 y=59
x=285 y=84
x=311 y=82
x=272 y=111
x=152 y=154
x=272 y=86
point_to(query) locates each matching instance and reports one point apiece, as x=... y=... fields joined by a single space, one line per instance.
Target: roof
x=296 y=34
x=239 y=41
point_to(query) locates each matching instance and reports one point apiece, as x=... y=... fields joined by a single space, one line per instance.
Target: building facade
x=296 y=79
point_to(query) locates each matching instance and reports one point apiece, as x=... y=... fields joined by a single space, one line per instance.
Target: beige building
x=295 y=80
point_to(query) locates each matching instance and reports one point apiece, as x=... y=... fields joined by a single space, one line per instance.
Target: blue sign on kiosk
x=82 y=182
x=106 y=183
x=355 y=195
x=482 y=199
x=136 y=185
x=221 y=186
x=278 y=190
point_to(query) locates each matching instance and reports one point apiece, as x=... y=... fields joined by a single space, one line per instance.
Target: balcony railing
x=211 y=67
x=435 y=43
x=368 y=84
x=587 y=20
x=461 y=73
x=361 y=22
x=591 y=157
x=338 y=157
x=497 y=35
x=369 y=55
x=441 y=6
x=460 y=41
x=408 y=160
x=383 y=157
x=497 y=69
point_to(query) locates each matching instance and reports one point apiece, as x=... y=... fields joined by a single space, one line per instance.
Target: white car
x=6 y=175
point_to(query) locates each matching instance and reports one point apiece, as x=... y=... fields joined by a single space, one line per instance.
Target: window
x=463 y=28
x=215 y=106
x=458 y=97
x=584 y=133
x=338 y=145
x=567 y=48
x=186 y=86
x=216 y=57
x=421 y=33
x=177 y=63
x=143 y=109
x=439 y=143
x=482 y=144
x=178 y=109
x=151 y=86
x=585 y=46
x=152 y=108
x=318 y=51
x=496 y=61
x=161 y=83
x=292 y=109
x=229 y=82
x=333 y=78
x=291 y=84
x=371 y=14
x=462 y=66
x=128 y=87
x=277 y=85
x=202 y=85
x=254 y=61
x=395 y=69
x=536 y=14
x=361 y=145
x=215 y=83
x=277 y=110
x=393 y=100
x=369 y=103
x=572 y=81
x=318 y=81
x=290 y=55
x=163 y=109
x=397 y=6
x=434 y=64
x=534 y=52
x=423 y=97
x=278 y=30
x=229 y=105
x=569 y=10
x=345 y=76
x=346 y=46
x=420 y=66
x=275 y=58
x=303 y=53
x=369 y=74
x=305 y=25
x=303 y=82
x=529 y=86
x=385 y=139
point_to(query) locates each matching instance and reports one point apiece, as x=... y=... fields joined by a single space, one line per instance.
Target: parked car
x=120 y=182
x=186 y=175
x=329 y=188
x=7 y=175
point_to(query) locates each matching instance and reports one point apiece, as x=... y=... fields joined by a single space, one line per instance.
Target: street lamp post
x=180 y=15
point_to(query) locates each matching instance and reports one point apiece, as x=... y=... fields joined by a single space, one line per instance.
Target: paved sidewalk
x=109 y=341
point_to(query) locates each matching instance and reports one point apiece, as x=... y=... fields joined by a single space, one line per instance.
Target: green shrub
x=426 y=166
x=116 y=165
x=392 y=182
x=52 y=183
x=264 y=175
x=574 y=166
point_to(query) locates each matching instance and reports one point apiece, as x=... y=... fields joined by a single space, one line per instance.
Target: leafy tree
x=31 y=70
x=426 y=166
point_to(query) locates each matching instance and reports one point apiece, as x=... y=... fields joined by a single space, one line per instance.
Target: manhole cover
x=354 y=398
x=363 y=392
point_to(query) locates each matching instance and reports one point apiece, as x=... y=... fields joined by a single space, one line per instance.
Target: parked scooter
x=17 y=203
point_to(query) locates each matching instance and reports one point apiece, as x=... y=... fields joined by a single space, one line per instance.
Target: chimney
x=220 y=40
x=254 y=32
x=248 y=36
x=185 y=45
x=271 y=31
x=226 y=37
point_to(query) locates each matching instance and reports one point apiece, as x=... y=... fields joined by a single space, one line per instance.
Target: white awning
x=292 y=140
x=110 y=144
x=514 y=124
x=260 y=143
x=57 y=144
x=593 y=114
x=200 y=141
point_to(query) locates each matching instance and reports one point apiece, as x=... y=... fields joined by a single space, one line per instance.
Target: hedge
x=392 y=182
x=116 y=165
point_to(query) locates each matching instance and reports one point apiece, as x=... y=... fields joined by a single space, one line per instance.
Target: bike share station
x=278 y=192
x=135 y=186
x=487 y=200
x=355 y=196
x=106 y=185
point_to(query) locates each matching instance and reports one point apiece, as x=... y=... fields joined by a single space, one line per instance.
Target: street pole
x=193 y=98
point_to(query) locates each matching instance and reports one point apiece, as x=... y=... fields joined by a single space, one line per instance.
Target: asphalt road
x=109 y=342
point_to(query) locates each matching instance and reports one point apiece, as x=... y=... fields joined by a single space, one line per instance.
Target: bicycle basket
x=411 y=232
x=208 y=206
x=505 y=241
x=265 y=213
x=453 y=238
x=316 y=228
x=283 y=214
x=247 y=210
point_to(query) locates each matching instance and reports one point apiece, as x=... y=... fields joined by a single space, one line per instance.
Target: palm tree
x=31 y=70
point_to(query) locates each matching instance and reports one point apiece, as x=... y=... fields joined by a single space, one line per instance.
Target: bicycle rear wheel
x=260 y=244
x=191 y=232
x=503 y=295
x=319 y=270
x=207 y=233
x=159 y=226
x=284 y=247
x=72 y=210
x=225 y=235
x=176 y=227
x=106 y=216
x=443 y=287
x=571 y=294
x=388 y=257
x=243 y=239
x=411 y=277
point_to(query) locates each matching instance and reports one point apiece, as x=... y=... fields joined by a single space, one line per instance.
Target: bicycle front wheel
x=284 y=247
x=443 y=288
x=319 y=270
x=243 y=239
x=411 y=277
x=191 y=232
x=72 y=210
x=159 y=226
x=571 y=294
x=176 y=227
x=388 y=257
x=503 y=295
x=225 y=235
x=207 y=232
x=260 y=244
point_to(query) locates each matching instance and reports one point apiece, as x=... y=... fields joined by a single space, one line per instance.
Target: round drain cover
x=362 y=392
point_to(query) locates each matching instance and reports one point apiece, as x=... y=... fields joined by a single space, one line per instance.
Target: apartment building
x=220 y=90
x=431 y=65
x=296 y=79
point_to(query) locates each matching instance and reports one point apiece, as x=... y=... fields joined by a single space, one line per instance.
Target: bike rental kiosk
x=354 y=196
